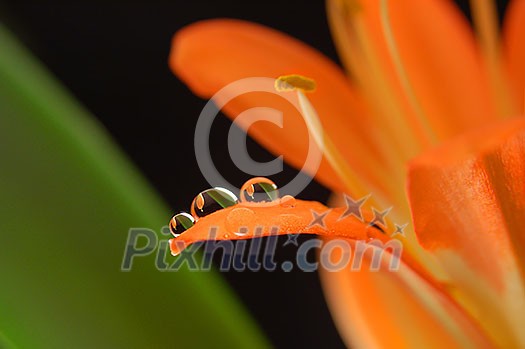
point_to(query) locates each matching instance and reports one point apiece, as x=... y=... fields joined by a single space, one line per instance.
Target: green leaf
x=68 y=198
x=5 y=343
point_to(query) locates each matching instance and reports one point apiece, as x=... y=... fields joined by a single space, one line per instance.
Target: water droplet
x=287 y=201
x=212 y=200
x=237 y=220
x=181 y=222
x=259 y=189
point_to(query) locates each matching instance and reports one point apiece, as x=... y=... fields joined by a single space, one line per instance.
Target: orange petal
x=468 y=203
x=288 y=216
x=438 y=52
x=404 y=319
x=514 y=32
x=212 y=54
x=396 y=309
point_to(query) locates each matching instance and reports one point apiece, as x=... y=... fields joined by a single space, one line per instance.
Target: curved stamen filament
x=357 y=187
x=352 y=182
x=486 y=21
x=365 y=65
x=357 y=66
x=355 y=184
x=420 y=120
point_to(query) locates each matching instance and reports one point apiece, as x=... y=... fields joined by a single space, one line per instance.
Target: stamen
x=486 y=21
x=297 y=83
x=351 y=59
x=357 y=185
x=350 y=7
x=294 y=82
x=421 y=122
x=392 y=116
x=394 y=138
x=349 y=178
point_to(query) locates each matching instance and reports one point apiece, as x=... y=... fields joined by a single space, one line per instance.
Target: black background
x=113 y=57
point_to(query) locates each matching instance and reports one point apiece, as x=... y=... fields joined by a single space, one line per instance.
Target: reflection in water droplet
x=212 y=200
x=259 y=189
x=180 y=222
x=287 y=201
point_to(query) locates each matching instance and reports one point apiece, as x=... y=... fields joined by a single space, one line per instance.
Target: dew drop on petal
x=259 y=189
x=237 y=218
x=287 y=201
x=212 y=200
x=180 y=222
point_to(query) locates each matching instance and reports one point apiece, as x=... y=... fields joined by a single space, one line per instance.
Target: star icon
x=318 y=219
x=353 y=207
x=379 y=217
x=291 y=239
x=400 y=229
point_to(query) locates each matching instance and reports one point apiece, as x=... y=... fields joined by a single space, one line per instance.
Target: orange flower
x=423 y=91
